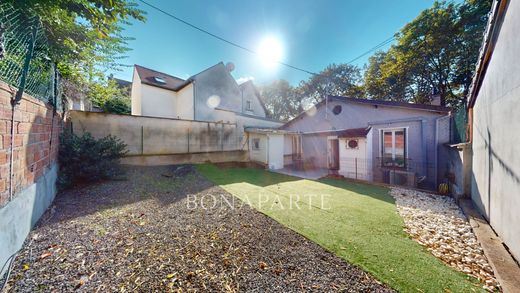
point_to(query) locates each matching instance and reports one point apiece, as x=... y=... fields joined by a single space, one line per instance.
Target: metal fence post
x=26 y=65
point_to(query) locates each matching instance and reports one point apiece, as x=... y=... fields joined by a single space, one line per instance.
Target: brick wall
x=34 y=152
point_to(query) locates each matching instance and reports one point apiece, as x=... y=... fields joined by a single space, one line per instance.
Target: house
x=212 y=95
x=494 y=124
x=372 y=140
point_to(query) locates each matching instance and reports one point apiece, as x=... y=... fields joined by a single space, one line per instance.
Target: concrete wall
x=423 y=135
x=160 y=136
x=19 y=216
x=496 y=136
x=276 y=149
x=195 y=158
x=34 y=150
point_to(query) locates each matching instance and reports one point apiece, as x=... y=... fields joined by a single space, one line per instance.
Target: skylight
x=159 y=79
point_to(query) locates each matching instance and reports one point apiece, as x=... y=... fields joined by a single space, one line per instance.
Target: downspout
x=423 y=148
x=436 y=162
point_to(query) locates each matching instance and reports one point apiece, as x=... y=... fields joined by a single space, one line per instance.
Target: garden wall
x=30 y=190
x=151 y=139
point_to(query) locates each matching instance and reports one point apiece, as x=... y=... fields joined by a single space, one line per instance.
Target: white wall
x=276 y=150
x=158 y=102
x=348 y=158
x=185 y=103
x=259 y=155
x=136 y=94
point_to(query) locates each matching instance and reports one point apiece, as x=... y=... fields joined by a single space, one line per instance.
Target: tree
x=106 y=95
x=335 y=79
x=281 y=100
x=436 y=51
x=84 y=35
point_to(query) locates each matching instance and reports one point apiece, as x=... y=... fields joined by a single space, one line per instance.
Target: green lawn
x=358 y=222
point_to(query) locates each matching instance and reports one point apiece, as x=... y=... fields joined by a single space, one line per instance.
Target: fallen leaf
x=169 y=276
x=45 y=254
x=25 y=267
x=262 y=265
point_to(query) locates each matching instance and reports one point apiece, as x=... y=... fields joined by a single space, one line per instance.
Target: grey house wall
x=495 y=184
x=422 y=139
x=217 y=81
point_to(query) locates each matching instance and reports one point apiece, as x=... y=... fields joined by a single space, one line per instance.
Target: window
x=256 y=144
x=159 y=79
x=296 y=147
x=249 y=106
x=337 y=109
x=393 y=147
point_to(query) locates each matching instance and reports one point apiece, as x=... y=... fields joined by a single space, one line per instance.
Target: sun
x=270 y=51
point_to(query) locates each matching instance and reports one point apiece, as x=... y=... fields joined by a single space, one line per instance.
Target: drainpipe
x=436 y=162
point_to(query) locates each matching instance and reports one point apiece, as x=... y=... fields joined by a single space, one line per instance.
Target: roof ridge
x=173 y=76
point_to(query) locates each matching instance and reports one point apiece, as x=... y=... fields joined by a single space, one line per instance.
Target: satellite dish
x=230 y=66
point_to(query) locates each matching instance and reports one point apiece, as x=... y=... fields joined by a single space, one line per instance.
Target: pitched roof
x=491 y=33
x=151 y=77
x=122 y=84
x=420 y=107
x=343 y=133
x=426 y=107
x=257 y=93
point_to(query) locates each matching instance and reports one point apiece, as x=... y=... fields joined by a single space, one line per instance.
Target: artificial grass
x=358 y=222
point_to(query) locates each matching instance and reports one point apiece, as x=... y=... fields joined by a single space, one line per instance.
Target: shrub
x=86 y=159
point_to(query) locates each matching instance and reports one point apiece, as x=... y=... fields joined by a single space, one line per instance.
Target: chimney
x=435 y=100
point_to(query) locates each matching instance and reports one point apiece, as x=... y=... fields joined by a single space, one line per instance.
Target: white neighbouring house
x=212 y=95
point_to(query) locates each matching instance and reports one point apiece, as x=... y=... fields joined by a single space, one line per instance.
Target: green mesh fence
x=18 y=29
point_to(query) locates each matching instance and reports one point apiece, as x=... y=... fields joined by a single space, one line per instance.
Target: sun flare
x=270 y=51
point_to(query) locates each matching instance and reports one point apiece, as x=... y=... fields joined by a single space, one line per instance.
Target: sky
x=312 y=35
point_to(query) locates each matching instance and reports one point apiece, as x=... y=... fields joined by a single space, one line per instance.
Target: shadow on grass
x=263 y=178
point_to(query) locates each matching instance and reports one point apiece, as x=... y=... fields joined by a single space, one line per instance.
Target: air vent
x=352 y=144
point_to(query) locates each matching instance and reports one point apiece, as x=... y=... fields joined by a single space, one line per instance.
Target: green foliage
x=282 y=100
x=437 y=50
x=83 y=34
x=109 y=97
x=335 y=79
x=117 y=106
x=86 y=159
x=285 y=101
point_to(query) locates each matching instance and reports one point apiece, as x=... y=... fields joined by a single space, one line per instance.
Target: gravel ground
x=143 y=234
x=438 y=223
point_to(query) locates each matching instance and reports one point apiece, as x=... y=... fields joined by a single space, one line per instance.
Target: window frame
x=255 y=143
x=249 y=105
x=393 y=130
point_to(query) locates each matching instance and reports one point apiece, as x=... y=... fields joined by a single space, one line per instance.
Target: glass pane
x=387 y=148
x=399 y=148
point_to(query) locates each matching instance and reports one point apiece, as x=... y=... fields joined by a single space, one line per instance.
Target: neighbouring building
x=383 y=141
x=211 y=95
x=494 y=122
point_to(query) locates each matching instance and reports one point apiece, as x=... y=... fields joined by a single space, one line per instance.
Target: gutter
x=490 y=36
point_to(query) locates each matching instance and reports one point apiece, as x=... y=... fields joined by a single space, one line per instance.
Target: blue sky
x=313 y=34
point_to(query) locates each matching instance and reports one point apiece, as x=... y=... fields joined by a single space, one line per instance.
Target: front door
x=333 y=154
